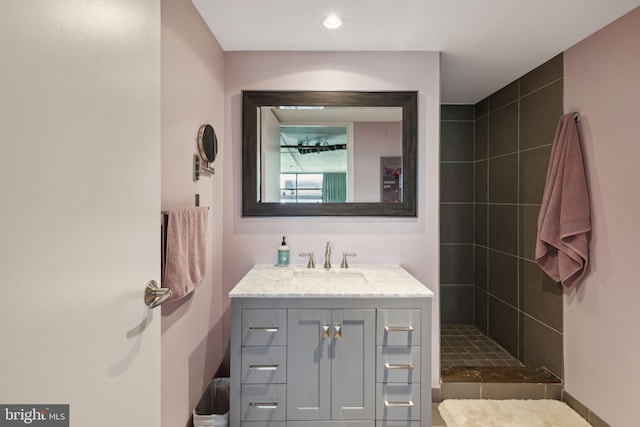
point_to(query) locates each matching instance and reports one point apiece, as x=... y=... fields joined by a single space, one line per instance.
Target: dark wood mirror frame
x=251 y=100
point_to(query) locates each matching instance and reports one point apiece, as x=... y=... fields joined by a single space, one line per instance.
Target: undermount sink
x=329 y=277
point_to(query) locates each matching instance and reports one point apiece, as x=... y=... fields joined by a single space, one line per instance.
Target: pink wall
x=602 y=342
x=410 y=242
x=192 y=94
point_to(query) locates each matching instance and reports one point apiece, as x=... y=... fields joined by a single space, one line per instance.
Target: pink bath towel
x=185 y=264
x=564 y=225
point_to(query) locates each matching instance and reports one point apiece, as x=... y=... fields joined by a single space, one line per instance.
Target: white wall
x=410 y=242
x=602 y=342
x=192 y=95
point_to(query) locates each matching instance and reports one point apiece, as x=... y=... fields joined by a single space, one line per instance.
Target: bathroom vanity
x=315 y=347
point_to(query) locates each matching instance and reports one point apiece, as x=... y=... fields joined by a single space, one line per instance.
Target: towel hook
x=154 y=296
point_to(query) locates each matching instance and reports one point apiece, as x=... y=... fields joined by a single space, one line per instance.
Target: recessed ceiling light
x=332 y=22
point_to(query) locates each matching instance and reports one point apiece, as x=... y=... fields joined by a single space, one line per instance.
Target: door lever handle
x=154 y=295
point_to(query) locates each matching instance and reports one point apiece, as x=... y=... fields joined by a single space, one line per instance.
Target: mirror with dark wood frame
x=254 y=201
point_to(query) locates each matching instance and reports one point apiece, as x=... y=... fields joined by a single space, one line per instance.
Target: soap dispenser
x=283 y=254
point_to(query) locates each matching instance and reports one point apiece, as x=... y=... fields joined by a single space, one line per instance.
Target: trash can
x=213 y=407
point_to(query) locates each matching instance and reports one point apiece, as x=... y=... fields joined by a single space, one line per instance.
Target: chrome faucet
x=327 y=257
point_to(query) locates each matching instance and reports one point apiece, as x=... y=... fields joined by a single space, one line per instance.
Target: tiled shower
x=494 y=158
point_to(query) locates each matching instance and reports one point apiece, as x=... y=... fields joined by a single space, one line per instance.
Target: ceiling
x=485 y=44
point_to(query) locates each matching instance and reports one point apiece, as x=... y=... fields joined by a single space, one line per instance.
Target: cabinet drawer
x=398 y=401
x=398 y=327
x=332 y=423
x=264 y=327
x=398 y=364
x=263 y=424
x=264 y=365
x=397 y=423
x=263 y=402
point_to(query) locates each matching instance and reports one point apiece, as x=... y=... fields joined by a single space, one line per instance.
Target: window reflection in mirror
x=329 y=154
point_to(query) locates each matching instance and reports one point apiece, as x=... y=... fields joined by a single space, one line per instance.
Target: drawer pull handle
x=407 y=404
x=263 y=405
x=264 y=328
x=398 y=328
x=408 y=366
x=264 y=367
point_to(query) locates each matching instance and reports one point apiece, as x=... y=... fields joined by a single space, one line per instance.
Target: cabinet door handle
x=337 y=330
x=263 y=405
x=398 y=328
x=408 y=366
x=324 y=330
x=264 y=328
x=264 y=367
x=407 y=404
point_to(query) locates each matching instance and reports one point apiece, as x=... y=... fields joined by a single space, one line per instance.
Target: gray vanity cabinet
x=316 y=348
x=331 y=364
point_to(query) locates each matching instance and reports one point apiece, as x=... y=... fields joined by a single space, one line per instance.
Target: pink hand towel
x=186 y=250
x=564 y=225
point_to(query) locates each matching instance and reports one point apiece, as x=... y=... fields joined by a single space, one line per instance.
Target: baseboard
x=435 y=395
x=583 y=410
x=478 y=390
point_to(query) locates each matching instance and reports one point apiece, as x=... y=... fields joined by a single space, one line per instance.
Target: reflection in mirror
x=313 y=164
x=329 y=153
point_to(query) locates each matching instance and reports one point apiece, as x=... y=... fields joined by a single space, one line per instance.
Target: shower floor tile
x=465 y=345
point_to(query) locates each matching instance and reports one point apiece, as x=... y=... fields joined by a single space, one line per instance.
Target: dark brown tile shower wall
x=515 y=303
x=456 y=213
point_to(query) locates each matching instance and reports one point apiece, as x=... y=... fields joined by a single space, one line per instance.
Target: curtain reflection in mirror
x=334 y=188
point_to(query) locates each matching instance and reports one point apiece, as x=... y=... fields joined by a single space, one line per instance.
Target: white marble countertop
x=358 y=281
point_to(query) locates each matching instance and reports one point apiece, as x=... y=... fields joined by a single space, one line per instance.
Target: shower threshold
x=487 y=374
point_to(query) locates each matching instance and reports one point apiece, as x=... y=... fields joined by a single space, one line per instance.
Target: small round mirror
x=207 y=143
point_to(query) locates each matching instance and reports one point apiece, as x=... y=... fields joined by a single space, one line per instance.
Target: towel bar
x=165 y=213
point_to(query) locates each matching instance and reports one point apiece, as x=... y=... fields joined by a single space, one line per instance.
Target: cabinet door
x=309 y=365
x=353 y=365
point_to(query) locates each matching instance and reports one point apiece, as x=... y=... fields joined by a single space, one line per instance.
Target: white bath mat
x=509 y=413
